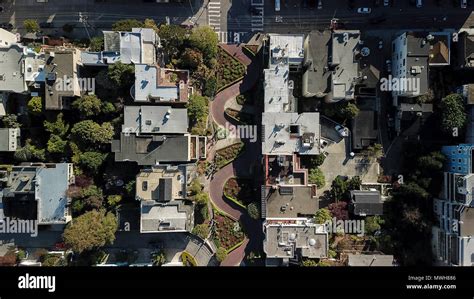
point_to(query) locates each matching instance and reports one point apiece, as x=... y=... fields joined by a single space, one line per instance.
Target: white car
x=364 y=10
x=342 y=131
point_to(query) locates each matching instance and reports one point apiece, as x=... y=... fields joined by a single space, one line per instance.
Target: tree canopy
x=35 y=106
x=206 y=40
x=453 y=113
x=126 y=25
x=316 y=176
x=91 y=230
x=89 y=132
x=87 y=105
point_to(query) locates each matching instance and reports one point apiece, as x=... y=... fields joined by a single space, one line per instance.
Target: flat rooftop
x=288 y=133
x=148 y=182
x=277 y=92
x=11 y=65
x=286 y=46
x=170 y=217
x=317 y=76
x=288 y=238
x=291 y=201
x=155 y=119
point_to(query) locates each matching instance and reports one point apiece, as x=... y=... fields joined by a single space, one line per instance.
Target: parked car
x=386 y=2
x=463 y=3
x=342 y=131
x=364 y=10
x=6 y=26
x=320 y=4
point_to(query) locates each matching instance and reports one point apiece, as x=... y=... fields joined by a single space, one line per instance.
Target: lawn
x=226 y=232
x=240 y=189
x=227 y=154
x=230 y=69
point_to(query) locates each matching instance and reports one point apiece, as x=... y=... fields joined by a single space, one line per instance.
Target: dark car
x=46 y=25
x=6 y=26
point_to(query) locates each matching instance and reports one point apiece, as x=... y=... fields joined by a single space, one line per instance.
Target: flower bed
x=230 y=69
x=228 y=154
x=239 y=190
x=227 y=233
x=239 y=116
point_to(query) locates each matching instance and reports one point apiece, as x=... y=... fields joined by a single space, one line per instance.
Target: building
x=160 y=85
x=459 y=158
x=370 y=260
x=366 y=203
x=331 y=64
x=62 y=78
x=293 y=239
x=155 y=120
x=465 y=50
x=440 y=48
x=9 y=139
x=7 y=38
x=37 y=191
x=410 y=65
x=288 y=133
x=288 y=47
x=12 y=78
x=137 y=47
x=285 y=202
x=161 y=191
x=151 y=150
x=364 y=129
x=453 y=234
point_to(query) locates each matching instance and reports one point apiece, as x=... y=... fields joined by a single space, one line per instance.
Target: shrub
x=221 y=254
x=254 y=210
x=35 y=105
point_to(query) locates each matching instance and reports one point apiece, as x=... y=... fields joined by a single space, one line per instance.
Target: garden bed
x=227 y=233
x=239 y=116
x=228 y=154
x=230 y=69
x=240 y=191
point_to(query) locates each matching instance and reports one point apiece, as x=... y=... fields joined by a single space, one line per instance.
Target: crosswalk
x=214 y=15
x=257 y=18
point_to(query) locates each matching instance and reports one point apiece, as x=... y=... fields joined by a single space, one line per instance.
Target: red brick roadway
x=241 y=166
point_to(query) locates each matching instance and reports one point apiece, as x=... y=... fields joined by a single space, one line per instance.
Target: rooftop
x=316 y=77
x=284 y=170
x=154 y=182
x=172 y=216
x=440 y=48
x=288 y=133
x=151 y=150
x=290 y=201
x=366 y=203
x=155 y=119
x=287 y=47
x=11 y=69
x=47 y=184
x=369 y=260
x=156 y=84
x=465 y=51
x=62 y=75
x=277 y=93
x=364 y=129
x=289 y=238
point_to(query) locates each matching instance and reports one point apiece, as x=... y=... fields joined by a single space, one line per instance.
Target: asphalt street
x=235 y=21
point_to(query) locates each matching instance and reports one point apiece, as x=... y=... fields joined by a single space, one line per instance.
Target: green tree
x=150 y=23
x=453 y=113
x=126 y=25
x=432 y=162
x=114 y=200
x=92 y=161
x=201 y=198
x=31 y=25
x=309 y=263
x=89 y=132
x=59 y=127
x=30 y=153
x=375 y=150
x=10 y=121
x=88 y=105
x=97 y=44
x=159 y=259
x=317 y=160
x=373 y=224
x=197 y=107
x=254 y=210
x=172 y=38
x=35 y=106
x=108 y=108
x=322 y=216
x=122 y=75
x=350 y=111
x=338 y=188
x=316 y=176
x=206 y=40
x=221 y=254
x=195 y=187
x=191 y=59
x=354 y=183
x=210 y=87
x=201 y=230
x=56 y=145
x=91 y=230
